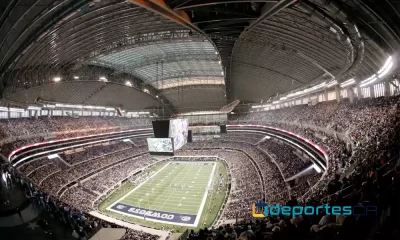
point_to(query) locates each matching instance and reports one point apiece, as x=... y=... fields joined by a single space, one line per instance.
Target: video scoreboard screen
x=170 y=135
x=160 y=145
x=178 y=130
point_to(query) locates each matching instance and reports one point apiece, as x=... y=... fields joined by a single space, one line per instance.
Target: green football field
x=176 y=194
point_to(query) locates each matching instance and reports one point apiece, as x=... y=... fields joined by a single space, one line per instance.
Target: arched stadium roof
x=187 y=55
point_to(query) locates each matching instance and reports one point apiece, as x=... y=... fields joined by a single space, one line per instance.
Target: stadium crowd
x=360 y=171
x=371 y=125
x=242 y=137
x=30 y=126
x=78 y=155
x=22 y=131
x=52 y=175
x=288 y=162
x=111 y=176
x=82 y=224
x=376 y=189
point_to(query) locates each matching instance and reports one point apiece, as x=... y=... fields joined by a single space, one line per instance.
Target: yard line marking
x=166 y=187
x=138 y=186
x=203 y=201
x=174 y=182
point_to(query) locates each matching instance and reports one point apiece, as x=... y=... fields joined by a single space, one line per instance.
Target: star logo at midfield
x=32 y=225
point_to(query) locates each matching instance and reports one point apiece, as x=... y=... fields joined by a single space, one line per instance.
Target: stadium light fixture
x=17 y=110
x=305 y=91
x=386 y=65
x=34 y=108
x=57 y=79
x=49 y=106
x=381 y=73
x=128 y=83
x=367 y=81
x=76 y=77
x=257 y=106
x=156 y=96
x=316 y=87
x=261 y=106
x=348 y=83
x=146 y=90
x=384 y=72
x=104 y=79
x=94 y=107
x=331 y=84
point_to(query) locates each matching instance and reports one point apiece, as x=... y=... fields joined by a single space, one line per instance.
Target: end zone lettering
x=150 y=214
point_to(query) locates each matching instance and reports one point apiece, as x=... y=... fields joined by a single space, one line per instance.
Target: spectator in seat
x=292 y=202
x=334 y=185
x=324 y=222
x=232 y=235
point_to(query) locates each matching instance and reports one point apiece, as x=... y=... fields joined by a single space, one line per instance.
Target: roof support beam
x=190 y=4
x=233 y=22
x=161 y=8
x=270 y=9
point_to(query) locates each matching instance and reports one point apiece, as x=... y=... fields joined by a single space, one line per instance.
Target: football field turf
x=176 y=194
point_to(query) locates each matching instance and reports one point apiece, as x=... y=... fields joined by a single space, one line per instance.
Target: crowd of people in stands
x=370 y=127
x=78 y=155
x=375 y=189
x=82 y=225
x=108 y=178
x=242 y=137
x=22 y=131
x=52 y=175
x=42 y=125
x=360 y=139
x=133 y=235
x=288 y=162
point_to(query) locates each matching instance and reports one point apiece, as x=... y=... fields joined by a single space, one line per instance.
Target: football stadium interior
x=200 y=119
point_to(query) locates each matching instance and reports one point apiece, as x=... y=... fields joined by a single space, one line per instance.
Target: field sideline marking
x=123 y=197
x=160 y=221
x=203 y=202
